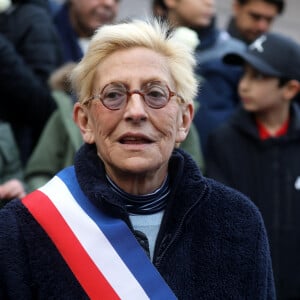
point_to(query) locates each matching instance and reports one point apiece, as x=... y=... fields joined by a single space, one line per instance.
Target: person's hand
x=12 y=189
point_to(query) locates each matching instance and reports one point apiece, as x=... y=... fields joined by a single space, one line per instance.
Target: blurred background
x=288 y=23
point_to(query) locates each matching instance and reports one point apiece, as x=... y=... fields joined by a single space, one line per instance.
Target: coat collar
x=183 y=171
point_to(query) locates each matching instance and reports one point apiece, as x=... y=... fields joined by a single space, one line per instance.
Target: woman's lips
x=135 y=139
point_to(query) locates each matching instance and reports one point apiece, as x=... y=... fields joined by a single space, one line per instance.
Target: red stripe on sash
x=84 y=269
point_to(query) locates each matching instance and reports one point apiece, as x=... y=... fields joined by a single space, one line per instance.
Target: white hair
x=154 y=35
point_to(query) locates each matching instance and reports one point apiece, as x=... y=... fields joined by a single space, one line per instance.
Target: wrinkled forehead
x=134 y=67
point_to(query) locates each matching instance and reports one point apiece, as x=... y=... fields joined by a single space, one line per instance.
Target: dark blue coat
x=217 y=96
x=68 y=36
x=212 y=242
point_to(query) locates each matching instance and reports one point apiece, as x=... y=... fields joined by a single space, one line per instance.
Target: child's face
x=193 y=13
x=260 y=93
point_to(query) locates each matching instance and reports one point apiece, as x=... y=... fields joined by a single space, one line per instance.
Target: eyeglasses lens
x=155 y=94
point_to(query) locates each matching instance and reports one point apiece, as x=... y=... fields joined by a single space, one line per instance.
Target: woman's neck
x=138 y=184
x=143 y=204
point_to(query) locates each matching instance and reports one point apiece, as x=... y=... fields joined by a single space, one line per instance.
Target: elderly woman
x=134 y=218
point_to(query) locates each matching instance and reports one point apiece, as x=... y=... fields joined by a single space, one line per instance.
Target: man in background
x=252 y=18
x=77 y=20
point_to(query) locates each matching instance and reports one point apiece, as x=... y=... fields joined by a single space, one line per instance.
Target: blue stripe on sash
x=122 y=240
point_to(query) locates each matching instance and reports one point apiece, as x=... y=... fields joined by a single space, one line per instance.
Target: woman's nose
x=135 y=107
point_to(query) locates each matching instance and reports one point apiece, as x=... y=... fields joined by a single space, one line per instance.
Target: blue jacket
x=217 y=97
x=211 y=244
x=68 y=37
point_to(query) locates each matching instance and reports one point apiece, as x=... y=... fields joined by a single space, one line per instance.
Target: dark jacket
x=268 y=171
x=29 y=52
x=211 y=245
x=217 y=95
x=68 y=36
x=29 y=28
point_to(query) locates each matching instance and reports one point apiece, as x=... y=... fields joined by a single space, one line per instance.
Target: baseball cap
x=272 y=54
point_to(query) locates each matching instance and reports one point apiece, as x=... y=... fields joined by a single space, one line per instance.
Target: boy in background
x=257 y=151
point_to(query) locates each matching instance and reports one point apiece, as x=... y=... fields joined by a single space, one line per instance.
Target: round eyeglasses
x=115 y=95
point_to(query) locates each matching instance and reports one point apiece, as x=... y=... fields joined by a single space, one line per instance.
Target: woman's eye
x=155 y=94
x=113 y=95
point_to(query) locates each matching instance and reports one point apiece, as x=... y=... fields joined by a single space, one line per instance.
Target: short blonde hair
x=154 y=35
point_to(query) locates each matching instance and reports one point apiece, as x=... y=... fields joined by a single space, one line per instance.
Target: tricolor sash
x=101 y=251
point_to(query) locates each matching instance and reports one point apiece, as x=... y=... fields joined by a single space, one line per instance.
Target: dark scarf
x=143 y=204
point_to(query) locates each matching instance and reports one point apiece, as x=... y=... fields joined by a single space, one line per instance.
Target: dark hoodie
x=268 y=171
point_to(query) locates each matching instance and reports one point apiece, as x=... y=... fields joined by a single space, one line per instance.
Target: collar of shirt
x=265 y=134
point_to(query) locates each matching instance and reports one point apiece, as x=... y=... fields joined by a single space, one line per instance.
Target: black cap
x=271 y=54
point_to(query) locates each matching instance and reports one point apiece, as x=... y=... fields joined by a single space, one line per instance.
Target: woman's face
x=135 y=139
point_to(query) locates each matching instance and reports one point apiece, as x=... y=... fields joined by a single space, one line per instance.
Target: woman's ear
x=82 y=119
x=185 y=123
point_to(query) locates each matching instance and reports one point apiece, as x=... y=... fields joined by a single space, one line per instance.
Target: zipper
x=159 y=258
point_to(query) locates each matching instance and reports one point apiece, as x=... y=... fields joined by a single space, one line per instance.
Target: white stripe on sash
x=91 y=236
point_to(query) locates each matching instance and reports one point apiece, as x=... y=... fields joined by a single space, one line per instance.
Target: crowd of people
x=149 y=158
